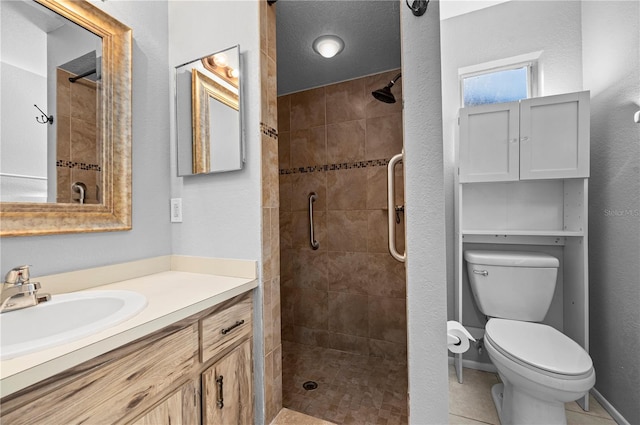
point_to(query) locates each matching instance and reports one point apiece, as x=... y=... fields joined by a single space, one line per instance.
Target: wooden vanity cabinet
x=168 y=377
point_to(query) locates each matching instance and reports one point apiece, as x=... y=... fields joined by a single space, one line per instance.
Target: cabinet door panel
x=554 y=136
x=489 y=148
x=227 y=391
x=180 y=408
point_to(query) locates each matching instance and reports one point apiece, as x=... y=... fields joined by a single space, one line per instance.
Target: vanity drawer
x=225 y=328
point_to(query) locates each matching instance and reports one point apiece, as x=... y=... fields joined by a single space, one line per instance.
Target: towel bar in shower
x=391 y=195
x=312 y=240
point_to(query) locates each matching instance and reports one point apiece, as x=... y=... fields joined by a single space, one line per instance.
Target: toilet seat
x=539 y=347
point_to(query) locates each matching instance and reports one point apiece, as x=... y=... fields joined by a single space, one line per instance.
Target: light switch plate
x=176 y=210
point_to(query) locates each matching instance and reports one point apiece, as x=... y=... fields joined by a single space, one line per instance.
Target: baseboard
x=608 y=407
x=472 y=364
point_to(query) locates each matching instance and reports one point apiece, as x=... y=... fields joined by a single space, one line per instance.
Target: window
x=505 y=80
x=495 y=87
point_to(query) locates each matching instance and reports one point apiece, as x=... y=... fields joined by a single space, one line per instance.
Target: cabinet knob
x=524 y=139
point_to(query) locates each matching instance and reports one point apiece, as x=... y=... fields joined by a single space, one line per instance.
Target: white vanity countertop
x=171 y=296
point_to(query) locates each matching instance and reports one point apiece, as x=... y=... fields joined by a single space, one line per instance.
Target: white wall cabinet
x=538 y=138
x=522 y=186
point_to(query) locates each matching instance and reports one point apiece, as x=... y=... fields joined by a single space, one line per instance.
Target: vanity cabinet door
x=180 y=408
x=227 y=389
x=489 y=149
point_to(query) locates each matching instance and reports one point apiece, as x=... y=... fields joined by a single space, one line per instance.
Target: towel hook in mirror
x=45 y=118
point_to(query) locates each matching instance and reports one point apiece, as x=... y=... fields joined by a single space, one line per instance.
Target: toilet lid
x=539 y=345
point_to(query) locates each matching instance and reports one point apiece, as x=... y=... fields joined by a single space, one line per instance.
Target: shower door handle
x=314 y=243
x=391 y=195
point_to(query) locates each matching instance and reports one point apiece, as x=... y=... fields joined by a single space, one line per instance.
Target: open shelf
x=500 y=232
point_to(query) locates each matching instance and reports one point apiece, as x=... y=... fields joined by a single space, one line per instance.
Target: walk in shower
x=343 y=297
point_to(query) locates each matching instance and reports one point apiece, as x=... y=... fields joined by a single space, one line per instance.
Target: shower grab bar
x=314 y=243
x=391 y=196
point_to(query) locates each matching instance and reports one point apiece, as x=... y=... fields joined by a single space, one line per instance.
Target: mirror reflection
x=208 y=114
x=51 y=94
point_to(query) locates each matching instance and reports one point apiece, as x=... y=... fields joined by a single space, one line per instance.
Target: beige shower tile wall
x=350 y=293
x=270 y=215
x=78 y=147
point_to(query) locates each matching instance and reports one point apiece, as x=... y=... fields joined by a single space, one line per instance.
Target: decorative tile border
x=78 y=165
x=333 y=167
x=268 y=131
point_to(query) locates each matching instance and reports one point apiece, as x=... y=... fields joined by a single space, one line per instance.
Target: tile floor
x=471 y=403
x=291 y=417
x=354 y=389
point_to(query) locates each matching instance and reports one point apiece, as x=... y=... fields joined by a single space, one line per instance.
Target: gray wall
x=425 y=220
x=611 y=60
x=151 y=234
x=221 y=212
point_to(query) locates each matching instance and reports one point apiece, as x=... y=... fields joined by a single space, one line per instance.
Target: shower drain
x=310 y=385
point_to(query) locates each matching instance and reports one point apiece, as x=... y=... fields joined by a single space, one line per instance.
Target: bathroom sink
x=65 y=318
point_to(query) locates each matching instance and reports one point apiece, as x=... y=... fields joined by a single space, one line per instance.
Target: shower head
x=384 y=94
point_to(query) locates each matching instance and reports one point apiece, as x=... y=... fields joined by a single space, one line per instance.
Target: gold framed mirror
x=208 y=99
x=205 y=91
x=112 y=210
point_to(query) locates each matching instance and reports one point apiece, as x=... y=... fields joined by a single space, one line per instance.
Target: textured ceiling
x=370 y=30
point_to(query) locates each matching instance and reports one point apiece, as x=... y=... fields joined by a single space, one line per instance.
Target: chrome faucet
x=18 y=292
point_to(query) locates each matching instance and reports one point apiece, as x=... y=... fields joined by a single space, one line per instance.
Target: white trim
x=499 y=64
x=609 y=407
x=22 y=176
x=528 y=60
x=472 y=364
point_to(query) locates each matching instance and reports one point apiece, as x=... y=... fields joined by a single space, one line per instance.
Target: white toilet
x=540 y=367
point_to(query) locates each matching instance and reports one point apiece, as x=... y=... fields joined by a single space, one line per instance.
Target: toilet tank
x=512 y=285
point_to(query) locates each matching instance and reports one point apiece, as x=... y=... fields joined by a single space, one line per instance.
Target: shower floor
x=352 y=389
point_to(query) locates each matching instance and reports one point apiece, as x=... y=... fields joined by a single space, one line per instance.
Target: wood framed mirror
x=111 y=208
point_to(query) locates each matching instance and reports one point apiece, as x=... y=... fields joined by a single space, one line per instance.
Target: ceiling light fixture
x=328 y=45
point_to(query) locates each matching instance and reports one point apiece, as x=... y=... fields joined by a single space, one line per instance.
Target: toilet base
x=515 y=407
x=497 y=395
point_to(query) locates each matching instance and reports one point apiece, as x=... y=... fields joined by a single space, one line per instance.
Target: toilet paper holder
x=457 y=337
x=453 y=340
